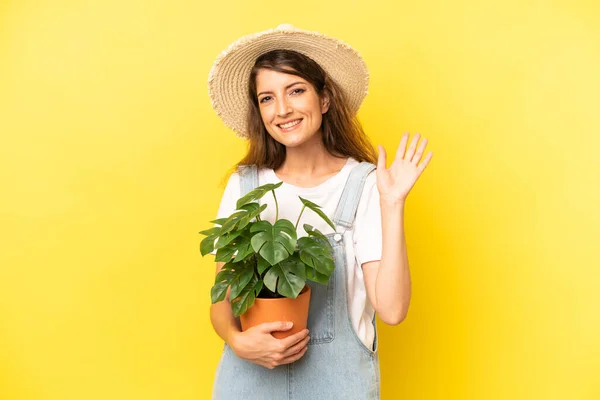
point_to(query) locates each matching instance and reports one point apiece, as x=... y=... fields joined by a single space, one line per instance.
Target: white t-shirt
x=363 y=243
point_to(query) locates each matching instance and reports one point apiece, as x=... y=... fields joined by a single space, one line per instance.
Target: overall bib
x=336 y=365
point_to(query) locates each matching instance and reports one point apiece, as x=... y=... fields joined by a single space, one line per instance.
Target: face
x=290 y=107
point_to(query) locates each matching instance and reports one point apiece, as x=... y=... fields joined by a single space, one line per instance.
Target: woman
x=294 y=95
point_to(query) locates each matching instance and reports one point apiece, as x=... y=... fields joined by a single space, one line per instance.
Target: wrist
x=232 y=338
x=391 y=204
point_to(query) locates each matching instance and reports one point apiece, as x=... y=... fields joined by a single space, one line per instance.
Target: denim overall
x=336 y=365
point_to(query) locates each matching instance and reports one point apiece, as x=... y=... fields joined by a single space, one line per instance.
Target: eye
x=266 y=98
x=298 y=91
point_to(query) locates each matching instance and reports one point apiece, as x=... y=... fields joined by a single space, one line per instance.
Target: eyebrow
x=287 y=87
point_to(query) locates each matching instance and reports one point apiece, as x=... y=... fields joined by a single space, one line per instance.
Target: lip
x=293 y=127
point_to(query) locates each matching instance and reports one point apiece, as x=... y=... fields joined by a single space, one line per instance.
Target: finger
x=411 y=149
x=293 y=358
x=269 y=327
x=382 y=158
x=417 y=157
x=293 y=339
x=296 y=348
x=402 y=147
x=425 y=162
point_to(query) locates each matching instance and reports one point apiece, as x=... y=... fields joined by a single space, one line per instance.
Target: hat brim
x=228 y=77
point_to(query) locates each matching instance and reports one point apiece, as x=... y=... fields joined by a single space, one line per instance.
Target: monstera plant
x=264 y=259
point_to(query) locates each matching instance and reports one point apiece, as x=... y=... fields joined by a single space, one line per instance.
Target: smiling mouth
x=289 y=125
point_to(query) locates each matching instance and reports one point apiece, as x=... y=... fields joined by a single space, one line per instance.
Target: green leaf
x=316 y=255
x=240 y=304
x=252 y=210
x=250 y=207
x=218 y=292
x=317 y=208
x=232 y=221
x=318 y=235
x=258 y=287
x=313 y=275
x=225 y=239
x=240 y=244
x=224 y=254
x=270 y=280
x=244 y=247
x=207 y=245
x=262 y=265
x=257 y=193
x=212 y=231
x=243 y=275
x=219 y=221
x=236 y=221
x=288 y=277
x=222 y=282
x=274 y=242
x=226 y=274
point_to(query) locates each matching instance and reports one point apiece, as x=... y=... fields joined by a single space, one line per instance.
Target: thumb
x=382 y=158
x=269 y=327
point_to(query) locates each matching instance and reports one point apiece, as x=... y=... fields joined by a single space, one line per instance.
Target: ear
x=324 y=102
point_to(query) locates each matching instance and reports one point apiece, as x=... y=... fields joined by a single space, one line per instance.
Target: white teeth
x=290 y=124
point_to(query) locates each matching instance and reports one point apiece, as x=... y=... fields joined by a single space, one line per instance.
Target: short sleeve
x=230 y=196
x=367 y=227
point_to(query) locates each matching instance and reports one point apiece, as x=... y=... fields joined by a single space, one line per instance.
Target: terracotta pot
x=280 y=309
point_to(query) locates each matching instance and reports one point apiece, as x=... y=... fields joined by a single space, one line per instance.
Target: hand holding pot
x=258 y=346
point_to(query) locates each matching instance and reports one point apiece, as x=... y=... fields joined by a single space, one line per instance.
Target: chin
x=293 y=142
x=290 y=140
x=296 y=140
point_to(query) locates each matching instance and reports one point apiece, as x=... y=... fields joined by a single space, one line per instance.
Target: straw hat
x=228 y=77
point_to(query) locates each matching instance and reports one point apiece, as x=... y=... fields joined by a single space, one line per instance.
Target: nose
x=283 y=107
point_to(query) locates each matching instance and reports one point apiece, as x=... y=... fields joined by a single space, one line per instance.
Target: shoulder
x=232 y=178
x=239 y=172
x=369 y=172
x=369 y=198
x=371 y=179
x=243 y=171
x=232 y=185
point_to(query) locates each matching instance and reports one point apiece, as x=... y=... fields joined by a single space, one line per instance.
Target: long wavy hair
x=342 y=133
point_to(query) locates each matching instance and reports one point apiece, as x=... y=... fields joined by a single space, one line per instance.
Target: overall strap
x=348 y=204
x=248 y=178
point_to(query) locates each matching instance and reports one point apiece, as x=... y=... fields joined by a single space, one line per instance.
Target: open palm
x=395 y=183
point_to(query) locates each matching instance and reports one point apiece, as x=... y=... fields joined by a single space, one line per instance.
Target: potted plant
x=267 y=265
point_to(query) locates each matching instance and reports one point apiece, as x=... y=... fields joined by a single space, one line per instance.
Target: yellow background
x=111 y=159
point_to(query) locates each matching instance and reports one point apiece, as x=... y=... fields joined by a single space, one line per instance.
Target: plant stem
x=301 y=211
x=276 y=206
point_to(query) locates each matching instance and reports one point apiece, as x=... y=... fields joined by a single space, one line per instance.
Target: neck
x=310 y=158
x=309 y=165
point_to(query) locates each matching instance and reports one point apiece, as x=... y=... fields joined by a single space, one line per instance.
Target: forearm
x=393 y=286
x=222 y=319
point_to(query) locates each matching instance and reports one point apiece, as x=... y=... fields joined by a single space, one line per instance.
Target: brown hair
x=342 y=132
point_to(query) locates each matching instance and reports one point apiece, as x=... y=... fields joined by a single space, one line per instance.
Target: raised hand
x=395 y=183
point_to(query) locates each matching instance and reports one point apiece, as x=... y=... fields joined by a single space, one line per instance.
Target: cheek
x=266 y=118
x=317 y=116
x=264 y=115
x=261 y=111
